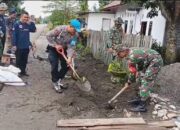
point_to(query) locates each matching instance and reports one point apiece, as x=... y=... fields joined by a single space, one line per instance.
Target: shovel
x=85 y=84
x=119 y=93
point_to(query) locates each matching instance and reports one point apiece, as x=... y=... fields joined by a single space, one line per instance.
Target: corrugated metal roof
x=112 y=4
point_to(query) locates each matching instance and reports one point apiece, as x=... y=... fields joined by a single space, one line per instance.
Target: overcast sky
x=35 y=7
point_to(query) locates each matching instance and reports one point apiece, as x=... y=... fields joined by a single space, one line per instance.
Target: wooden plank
x=167 y=124
x=100 y=122
x=124 y=127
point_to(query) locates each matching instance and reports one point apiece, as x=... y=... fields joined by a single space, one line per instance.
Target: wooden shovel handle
x=121 y=91
x=61 y=51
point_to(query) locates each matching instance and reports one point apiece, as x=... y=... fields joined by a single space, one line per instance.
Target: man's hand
x=110 y=50
x=58 y=47
x=69 y=60
x=14 y=48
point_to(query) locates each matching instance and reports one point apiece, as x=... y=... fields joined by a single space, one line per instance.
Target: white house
x=98 y=20
x=135 y=20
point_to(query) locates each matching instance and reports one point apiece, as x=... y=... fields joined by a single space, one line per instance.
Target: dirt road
x=37 y=106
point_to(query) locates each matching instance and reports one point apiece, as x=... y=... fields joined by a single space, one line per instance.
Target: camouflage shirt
x=140 y=59
x=115 y=36
x=59 y=35
x=9 y=23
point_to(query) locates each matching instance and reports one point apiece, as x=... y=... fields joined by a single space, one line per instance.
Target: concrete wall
x=95 y=20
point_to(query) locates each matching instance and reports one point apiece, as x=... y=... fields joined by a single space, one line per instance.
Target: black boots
x=138 y=105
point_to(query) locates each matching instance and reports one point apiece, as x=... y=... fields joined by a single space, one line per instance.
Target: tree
x=169 y=9
x=14 y=4
x=83 y=5
x=62 y=11
x=102 y=3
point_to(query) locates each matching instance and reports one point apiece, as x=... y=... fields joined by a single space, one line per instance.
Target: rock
x=175 y=128
x=153 y=116
x=162 y=113
x=157 y=107
x=172 y=107
x=152 y=103
x=177 y=124
x=154 y=100
x=127 y=114
x=165 y=118
x=178 y=118
x=154 y=112
x=162 y=103
x=171 y=115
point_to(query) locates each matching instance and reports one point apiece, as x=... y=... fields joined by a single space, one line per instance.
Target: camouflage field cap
x=118 y=20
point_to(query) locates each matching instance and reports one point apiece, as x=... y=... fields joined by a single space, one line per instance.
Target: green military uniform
x=148 y=62
x=115 y=34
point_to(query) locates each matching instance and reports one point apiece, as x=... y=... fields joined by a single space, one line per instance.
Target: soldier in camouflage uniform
x=10 y=21
x=141 y=61
x=3 y=8
x=115 y=34
x=113 y=41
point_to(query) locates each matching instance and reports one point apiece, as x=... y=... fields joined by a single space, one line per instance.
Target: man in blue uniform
x=21 y=41
x=3 y=8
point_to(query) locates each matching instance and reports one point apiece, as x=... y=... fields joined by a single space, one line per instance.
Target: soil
x=37 y=106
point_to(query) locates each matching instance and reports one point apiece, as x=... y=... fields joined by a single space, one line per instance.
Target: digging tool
x=119 y=93
x=85 y=84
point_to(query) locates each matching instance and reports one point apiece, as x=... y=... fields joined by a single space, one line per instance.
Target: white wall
x=158 y=27
x=94 y=21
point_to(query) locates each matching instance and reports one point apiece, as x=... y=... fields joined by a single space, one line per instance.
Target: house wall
x=158 y=27
x=95 y=20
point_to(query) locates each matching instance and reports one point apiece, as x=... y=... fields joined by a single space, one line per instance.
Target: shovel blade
x=84 y=84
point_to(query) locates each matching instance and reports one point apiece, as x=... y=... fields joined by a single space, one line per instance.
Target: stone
x=154 y=112
x=165 y=118
x=171 y=115
x=162 y=112
x=177 y=124
x=157 y=107
x=175 y=128
x=172 y=107
x=153 y=116
x=162 y=103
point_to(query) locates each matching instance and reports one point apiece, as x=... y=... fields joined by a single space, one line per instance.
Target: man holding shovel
x=62 y=37
x=144 y=65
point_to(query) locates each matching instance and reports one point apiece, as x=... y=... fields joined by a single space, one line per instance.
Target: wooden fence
x=98 y=45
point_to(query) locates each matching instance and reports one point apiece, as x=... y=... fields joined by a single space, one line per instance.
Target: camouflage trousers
x=147 y=81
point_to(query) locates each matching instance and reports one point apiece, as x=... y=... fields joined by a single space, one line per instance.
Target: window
x=106 y=24
x=143 y=28
x=131 y=27
x=150 y=28
x=125 y=26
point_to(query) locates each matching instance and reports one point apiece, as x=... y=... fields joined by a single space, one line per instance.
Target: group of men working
x=143 y=65
x=64 y=38
x=140 y=61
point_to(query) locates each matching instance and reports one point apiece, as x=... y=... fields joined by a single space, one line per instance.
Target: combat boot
x=141 y=107
x=135 y=101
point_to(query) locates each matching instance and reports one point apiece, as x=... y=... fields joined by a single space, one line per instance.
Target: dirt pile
x=169 y=82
